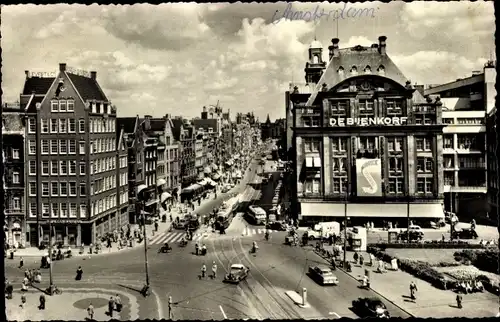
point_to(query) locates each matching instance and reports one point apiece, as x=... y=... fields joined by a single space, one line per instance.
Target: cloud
x=162 y=27
x=357 y=40
x=428 y=67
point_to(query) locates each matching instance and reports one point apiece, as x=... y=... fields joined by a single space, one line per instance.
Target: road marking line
x=157 y=237
x=223 y=313
x=171 y=237
x=177 y=238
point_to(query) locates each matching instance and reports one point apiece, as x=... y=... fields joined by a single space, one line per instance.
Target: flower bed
x=486 y=260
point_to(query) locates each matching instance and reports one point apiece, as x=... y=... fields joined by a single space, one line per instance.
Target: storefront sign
x=367 y=121
x=43 y=74
x=61 y=221
x=369 y=177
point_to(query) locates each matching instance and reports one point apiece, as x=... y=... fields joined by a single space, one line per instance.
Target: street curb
x=374 y=291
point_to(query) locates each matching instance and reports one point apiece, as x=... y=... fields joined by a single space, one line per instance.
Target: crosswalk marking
x=171 y=237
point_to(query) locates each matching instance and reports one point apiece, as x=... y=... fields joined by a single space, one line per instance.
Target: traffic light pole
x=146 y=263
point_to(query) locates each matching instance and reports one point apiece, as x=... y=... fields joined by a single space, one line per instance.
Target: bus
x=257 y=214
x=226 y=213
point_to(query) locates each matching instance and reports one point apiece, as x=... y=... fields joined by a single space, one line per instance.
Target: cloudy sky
x=175 y=58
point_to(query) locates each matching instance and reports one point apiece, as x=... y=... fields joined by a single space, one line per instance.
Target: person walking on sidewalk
x=118 y=303
x=79 y=273
x=214 y=270
x=156 y=226
x=90 y=311
x=203 y=271
x=42 y=302
x=459 y=301
x=413 y=289
x=111 y=306
x=21 y=263
x=23 y=301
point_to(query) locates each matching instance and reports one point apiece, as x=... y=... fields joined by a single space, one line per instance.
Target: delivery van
x=324 y=230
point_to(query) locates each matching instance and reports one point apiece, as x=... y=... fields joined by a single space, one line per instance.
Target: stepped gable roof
x=360 y=57
x=87 y=87
x=176 y=128
x=39 y=85
x=157 y=125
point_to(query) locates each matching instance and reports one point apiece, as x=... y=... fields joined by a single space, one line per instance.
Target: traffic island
x=299 y=300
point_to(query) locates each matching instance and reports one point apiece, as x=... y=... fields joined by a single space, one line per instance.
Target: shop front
x=359 y=214
x=13 y=229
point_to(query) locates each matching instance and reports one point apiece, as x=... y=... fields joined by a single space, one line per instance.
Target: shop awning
x=322 y=209
x=207 y=170
x=426 y=210
x=381 y=210
x=164 y=196
x=161 y=182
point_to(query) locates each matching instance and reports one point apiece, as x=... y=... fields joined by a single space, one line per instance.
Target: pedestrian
x=214 y=270
x=91 y=246
x=23 y=301
x=203 y=271
x=42 y=302
x=361 y=259
x=79 y=273
x=109 y=243
x=21 y=263
x=90 y=311
x=355 y=257
x=413 y=289
x=111 y=306
x=459 y=301
x=156 y=226
x=118 y=303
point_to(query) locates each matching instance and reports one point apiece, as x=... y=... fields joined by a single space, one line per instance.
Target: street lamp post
x=140 y=196
x=345 y=223
x=50 y=291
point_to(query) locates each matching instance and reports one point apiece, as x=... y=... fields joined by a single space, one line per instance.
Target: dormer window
x=315 y=59
x=94 y=108
x=381 y=70
x=368 y=70
x=108 y=109
x=341 y=71
x=354 y=71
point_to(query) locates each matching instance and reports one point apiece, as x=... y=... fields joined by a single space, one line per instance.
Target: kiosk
x=357 y=239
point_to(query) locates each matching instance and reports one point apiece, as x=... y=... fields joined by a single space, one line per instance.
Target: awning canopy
x=377 y=210
x=426 y=210
x=161 y=182
x=322 y=209
x=207 y=170
x=151 y=202
x=164 y=196
x=211 y=182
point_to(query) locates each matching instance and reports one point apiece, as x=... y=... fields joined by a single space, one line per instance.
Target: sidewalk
x=71 y=305
x=150 y=233
x=431 y=302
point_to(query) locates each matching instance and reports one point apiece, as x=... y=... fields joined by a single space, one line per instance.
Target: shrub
x=486 y=260
x=435 y=245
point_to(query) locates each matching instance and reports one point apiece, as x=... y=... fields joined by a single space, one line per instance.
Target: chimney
x=93 y=75
x=204 y=108
x=167 y=116
x=334 y=48
x=62 y=67
x=382 y=44
x=147 y=122
x=27 y=72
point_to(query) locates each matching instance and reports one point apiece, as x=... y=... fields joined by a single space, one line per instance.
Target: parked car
x=277 y=225
x=237 y=273
x=181 y=224
x=323 y=275
x=464 y=233
x=414 y=235
x=370 y=307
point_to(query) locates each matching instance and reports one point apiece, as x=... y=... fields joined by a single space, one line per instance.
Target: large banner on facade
x=369 y=177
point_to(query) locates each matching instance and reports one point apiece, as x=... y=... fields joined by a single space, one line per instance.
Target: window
x=394 y=144
x=82 y=167
x=53 y=168
x=81 y=126
x=83 y=210
x=83 y=189
x=54 y=148
x=82 y=147
x=55 y=210
x=54 y=106
x=72 y=210
x=54 y=188
x=449 y=179
x=62 y=106
x=423 y=144
x=339 y=106
x=32 y=210
x=63 y=189
x=31 y=125
x=45 y=189
x=15 y=154
x=395 y=165
x=45 y=126
x=447 y=142
x=425 y=185
x=45 y=168
x=340 y=185
x=71 y=106
x=395 y=185
x=53 y=125
x=45 y=146
x=64 y=210
x=16 y=203
x=424 y=164
x=394 y=107
x=312 y=185
x=15 y=177
x=63 y=167
x=63 y=146
x=72 y=125
x=32 y=167
x=62 y=125
x=72 y=188
x=72 y=146
x=45 y=210
x=32 y=147
x=311 y=145
x=365 y=107
x=72 y=167
x=339 y=144
x=339 y=164
x=428 y=185
x=32 y=188
x=367 y=143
